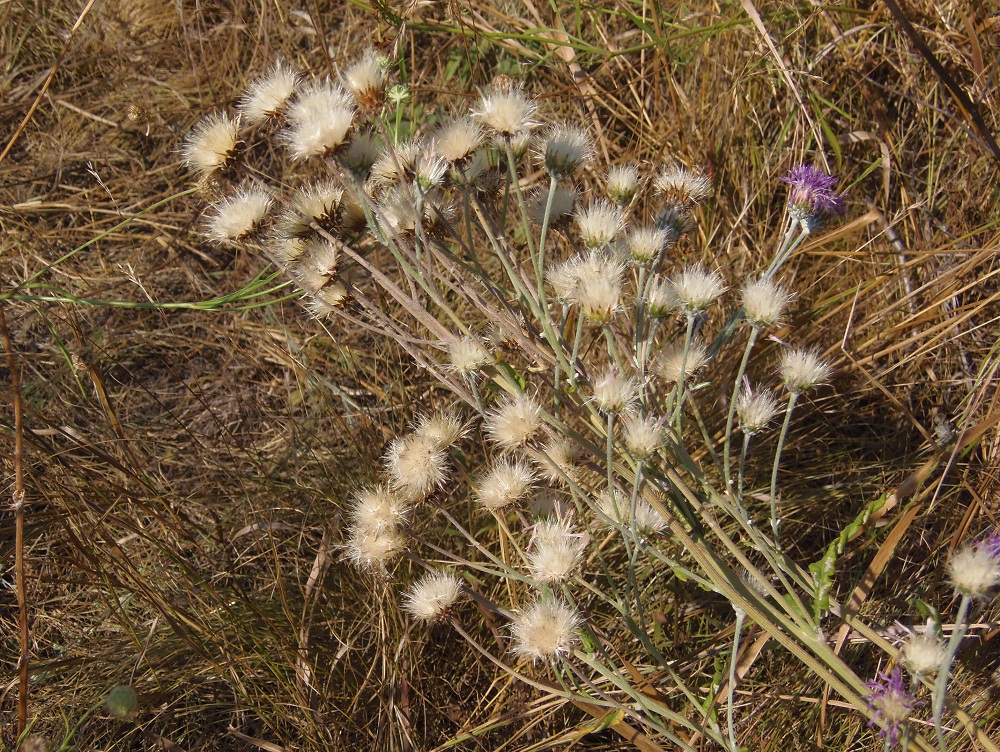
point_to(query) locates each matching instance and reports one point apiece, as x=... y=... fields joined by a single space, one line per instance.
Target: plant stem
x=731 y=689
x=941 y=683
x=754 y=333
x=775 y=523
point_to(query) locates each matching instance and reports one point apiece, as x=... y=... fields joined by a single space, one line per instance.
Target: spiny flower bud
x=812 y=197
x=378 y=508
x=558 y=460
x=645 y=244
x=562 y=204
x=644 y=435
x=373 y=549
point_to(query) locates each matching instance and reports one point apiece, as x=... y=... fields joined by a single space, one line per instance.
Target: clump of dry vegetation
x=224 y=535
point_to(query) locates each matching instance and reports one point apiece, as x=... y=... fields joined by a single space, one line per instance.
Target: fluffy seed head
x=373 y=549
x=319 y=120
x=644 y=435
x=514 y=422
x=397 y=214
x=212 y=144
x=505 y=484
x=546 y=629
x=599 y=223
x=696 y=289
x=671 y=362
x=378 y=509
x=361 y=153
x=614 y=392
x=416 y=465
x=433 y=596
x=506 y=110
x=430 y=168
x=683 y=187
x=645 y=244
x=617 y=508
x=764 y=302
x=316 y=266
x=265 y=99
x=598 y=289
x=974 y=570
x=562 y=204
x=924 y=653
x=317 y=202
x=556 y=552
x=802 y=370
x=325 y=301
x=395 y=163
x=564 y=150
x=366 y=79
x=622 y=182
x=558 y=460
x=441 y=429
x=239 y=216
x=468 y=355
x=662 y=300
x=458 y=139
x=755 y=408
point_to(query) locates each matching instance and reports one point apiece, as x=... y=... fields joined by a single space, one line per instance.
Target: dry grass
x=186 y=466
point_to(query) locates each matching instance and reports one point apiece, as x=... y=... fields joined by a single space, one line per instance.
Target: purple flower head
x=892 y=704
x=991 y=543
x=813 y=194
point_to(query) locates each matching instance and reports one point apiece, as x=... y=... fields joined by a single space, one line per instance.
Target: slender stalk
x=731 y=689
x=681 y=385
x=941 y=683
x=611 y=456
x=754 y=333
x=775 y=523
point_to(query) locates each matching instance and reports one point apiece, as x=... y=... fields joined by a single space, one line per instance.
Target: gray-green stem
x=775 y=522
x=944 y=672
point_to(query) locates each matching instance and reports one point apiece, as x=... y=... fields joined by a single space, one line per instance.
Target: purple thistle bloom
x=991 y=543
x=892 y=704
x=813 y=194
